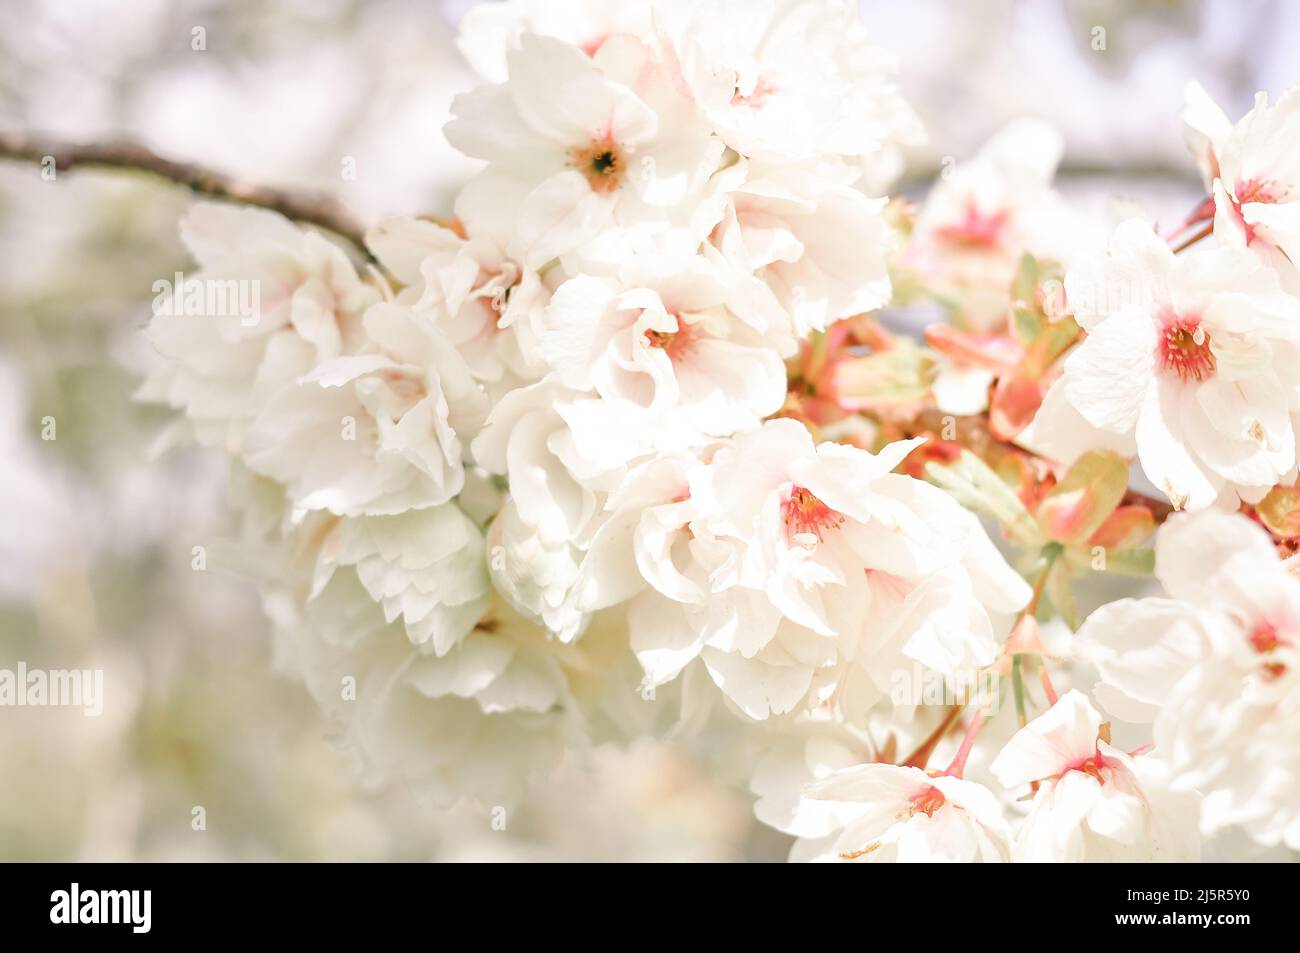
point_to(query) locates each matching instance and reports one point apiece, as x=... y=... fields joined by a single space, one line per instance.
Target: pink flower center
x=1261 y=191
x=1266 y=639
x=927 y=802
x=805 y=514
x=756 y=97
x=1265 y=191
x=1184 y=349
x=601 y=163
x=1094 y=765
x=978 y=229
x=676 y=344
x=592 y=46
x=402 y=384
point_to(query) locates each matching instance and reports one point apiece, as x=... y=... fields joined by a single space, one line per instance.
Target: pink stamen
x=676 y=344
x=805 y=514
x=1184 y=349
x=1094 y=765
x=1264 y=191
x=1261 y=191
x=1266 y=639
x=927 y=802
x=978 y=229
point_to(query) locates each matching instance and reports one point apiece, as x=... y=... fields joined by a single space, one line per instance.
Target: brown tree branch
x=320 y=210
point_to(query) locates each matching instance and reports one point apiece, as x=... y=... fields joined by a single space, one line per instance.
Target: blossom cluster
x=617 y=448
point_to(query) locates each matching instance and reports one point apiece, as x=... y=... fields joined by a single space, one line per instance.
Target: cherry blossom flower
x=1214 y=667
x=823 y=570
x=537 y=542
x=426 y=566
x=816 y=242
x=1090 y=801
x=526 y=439
x=489 y=30
x=487 y=304
x=1190 y=361
x=375 y=433
x=580 y=146
x=664 y=354
x=603 y=431
x=984 y=213
x=221 y=368
x=789 y=79
x=904 y=815
x=1253 y=172
x=481 y=721
x=536 y=574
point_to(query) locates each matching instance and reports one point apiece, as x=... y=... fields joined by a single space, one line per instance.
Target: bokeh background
x=96 y=531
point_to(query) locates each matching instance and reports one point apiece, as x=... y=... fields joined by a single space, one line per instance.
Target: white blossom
x=1214 y=668
x=788 y=79
x=805 y=231
x=221 y=365
x=899 y=814
x=1189 y=361
x=985 y=212
x=671 y=364
x=1252 y=169
x=485 y=303
x=1091 y=801
x=426 y=566
x=373 y=433
x=801 y=573
x=568 y=447
x=489 y=30
x=578 y=147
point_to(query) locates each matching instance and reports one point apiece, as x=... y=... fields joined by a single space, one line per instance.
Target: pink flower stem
x=959 y=762
x=1047 y=682
x=1203 y=212
x=921 y=756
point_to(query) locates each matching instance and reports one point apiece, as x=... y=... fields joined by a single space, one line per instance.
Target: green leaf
x=1026 y=281
x=1140 y=561
x=1061 y=594
x=974 y=485
x=901 y=375
x=1088 y=493
x=1029 y=324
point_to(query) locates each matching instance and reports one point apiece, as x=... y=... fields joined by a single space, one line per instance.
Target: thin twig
x=320 y=210
x=1205 y=232
x=919 y=757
